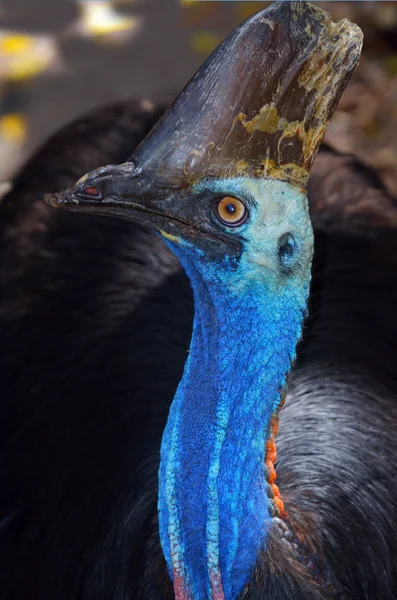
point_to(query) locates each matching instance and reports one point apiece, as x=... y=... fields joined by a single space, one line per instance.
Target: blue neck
x=213 y=508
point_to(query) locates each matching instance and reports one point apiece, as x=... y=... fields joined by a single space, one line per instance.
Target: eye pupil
x=230 y=211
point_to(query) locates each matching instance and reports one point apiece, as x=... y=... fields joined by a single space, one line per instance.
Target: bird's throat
x=213 y=507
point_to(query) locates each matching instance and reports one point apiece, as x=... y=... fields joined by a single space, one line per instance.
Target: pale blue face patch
x=277 y=236
x=213 y=509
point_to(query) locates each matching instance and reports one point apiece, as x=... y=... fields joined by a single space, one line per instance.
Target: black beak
x=115 y=190
x=123 y=191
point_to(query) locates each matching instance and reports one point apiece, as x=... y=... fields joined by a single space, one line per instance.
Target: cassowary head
x=222 y=177
x=223 y=173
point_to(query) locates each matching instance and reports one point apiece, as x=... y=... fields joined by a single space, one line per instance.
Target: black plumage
x=95 y=325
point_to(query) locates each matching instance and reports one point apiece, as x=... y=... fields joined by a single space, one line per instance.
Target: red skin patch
x=180 y=589
x=271 y=457
x=216 y=586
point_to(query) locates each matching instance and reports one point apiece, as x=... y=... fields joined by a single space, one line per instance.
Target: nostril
x=89 y=191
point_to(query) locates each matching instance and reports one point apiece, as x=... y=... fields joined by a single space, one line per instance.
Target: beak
x=123 y=191
x=116 y=191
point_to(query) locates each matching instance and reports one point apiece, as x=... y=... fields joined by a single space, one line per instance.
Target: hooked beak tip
x=60 y=200
x=52 y=200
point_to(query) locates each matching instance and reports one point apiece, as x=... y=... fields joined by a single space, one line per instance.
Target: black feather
x=95 y=321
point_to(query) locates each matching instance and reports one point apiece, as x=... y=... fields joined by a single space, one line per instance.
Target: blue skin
x=213 y=508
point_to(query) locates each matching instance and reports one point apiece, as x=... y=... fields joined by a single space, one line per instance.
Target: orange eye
x=231 y=211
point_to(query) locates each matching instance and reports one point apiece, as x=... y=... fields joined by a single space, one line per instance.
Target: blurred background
x=61 y=58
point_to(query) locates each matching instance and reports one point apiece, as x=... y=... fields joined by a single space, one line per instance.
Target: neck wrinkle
x=213 y=504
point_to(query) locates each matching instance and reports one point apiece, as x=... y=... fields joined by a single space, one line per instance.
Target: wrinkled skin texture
x=95 y=323
x=249 y=312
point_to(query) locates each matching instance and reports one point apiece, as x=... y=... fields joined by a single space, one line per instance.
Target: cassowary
x=96 y=319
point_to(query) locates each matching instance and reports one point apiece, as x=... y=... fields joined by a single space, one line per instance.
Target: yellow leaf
x=13 y=128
